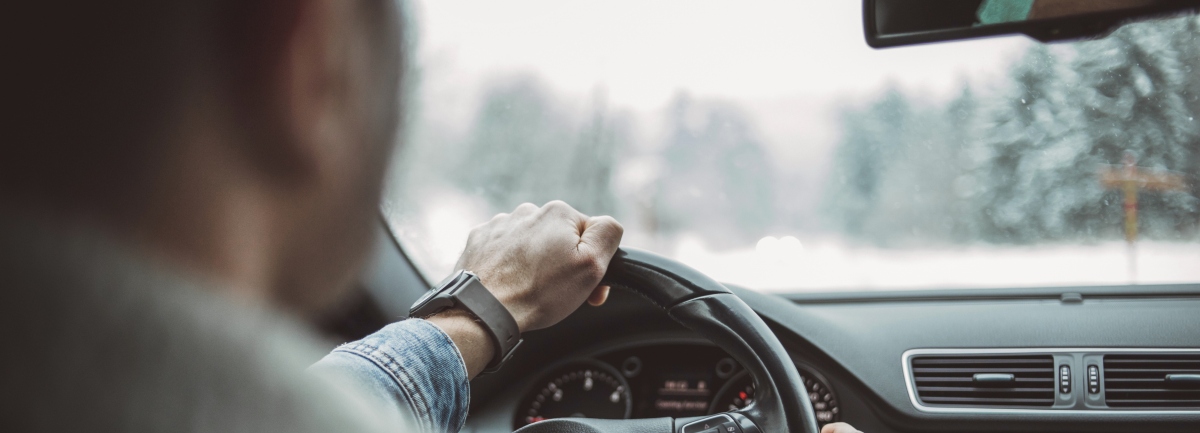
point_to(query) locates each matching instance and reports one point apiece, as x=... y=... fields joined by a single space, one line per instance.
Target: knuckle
x=612 y=224
x=558 y=207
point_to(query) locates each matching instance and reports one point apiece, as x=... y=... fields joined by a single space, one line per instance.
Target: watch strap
x=479 y=301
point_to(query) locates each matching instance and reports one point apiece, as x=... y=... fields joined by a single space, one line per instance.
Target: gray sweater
x=96 y=340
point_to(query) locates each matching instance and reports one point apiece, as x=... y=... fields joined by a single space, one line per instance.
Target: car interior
x=675 y=350
x=1065 y=359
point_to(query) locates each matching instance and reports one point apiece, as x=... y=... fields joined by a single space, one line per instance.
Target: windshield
x=763 y=143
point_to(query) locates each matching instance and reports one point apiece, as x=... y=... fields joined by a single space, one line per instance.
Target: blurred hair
x=93 y=85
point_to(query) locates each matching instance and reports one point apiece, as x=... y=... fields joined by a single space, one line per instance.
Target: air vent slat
x=921 y=362
x=1152 y=370
x=944 y=379
x=950 y=380
x=1194 y=391
x=981 y=389
x=974 y=370
x=1152 y=361
x=1154 y=403
x=992 y=401
x=1139 y=380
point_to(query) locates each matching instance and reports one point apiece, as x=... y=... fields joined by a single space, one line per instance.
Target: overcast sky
x=642 y=50
x=789 y=63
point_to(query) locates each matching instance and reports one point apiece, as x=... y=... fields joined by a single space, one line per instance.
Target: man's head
x=243 y=140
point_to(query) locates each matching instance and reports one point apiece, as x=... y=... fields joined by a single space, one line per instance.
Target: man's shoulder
x=99 y=341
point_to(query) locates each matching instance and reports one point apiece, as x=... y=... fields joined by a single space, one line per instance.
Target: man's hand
x=839 y=427
x=541 y=263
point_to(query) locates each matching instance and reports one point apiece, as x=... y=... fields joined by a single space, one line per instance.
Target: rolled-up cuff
x=426 y=367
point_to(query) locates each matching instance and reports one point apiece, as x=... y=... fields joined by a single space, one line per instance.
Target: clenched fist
x=543 y=263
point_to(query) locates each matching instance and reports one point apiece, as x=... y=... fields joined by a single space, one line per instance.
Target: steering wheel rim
x=705 y=306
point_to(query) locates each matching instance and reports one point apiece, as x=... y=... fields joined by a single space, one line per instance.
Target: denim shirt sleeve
x=414 y=367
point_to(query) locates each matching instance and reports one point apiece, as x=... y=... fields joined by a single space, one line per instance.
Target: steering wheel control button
x=1093 y=373
x=714 y=424
x=1064 y=379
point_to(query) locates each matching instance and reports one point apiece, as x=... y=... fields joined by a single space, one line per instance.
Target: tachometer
x=579 y=389
x=739 y=393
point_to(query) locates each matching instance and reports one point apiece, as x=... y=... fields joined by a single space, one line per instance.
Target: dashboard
x=853 y=351
x=869 y=356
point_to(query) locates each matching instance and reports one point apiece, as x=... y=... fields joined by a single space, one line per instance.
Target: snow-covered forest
x=1022 y=166
x=1003 y=173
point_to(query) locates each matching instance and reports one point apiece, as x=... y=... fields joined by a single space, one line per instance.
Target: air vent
x=1152 y=380
x=985 y=380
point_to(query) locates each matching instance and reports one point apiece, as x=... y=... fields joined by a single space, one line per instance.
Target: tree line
x=1022 y=166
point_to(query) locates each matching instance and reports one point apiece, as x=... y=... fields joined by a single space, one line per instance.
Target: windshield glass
x=763 y=143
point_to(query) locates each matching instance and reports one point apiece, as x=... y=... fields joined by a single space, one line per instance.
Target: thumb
x=839 y=427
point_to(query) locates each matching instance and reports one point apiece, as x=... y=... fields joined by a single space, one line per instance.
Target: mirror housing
x=892 y=23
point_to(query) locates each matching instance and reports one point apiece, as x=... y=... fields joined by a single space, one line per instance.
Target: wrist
x=471 y=337
x=475 y=309
x=504 y=296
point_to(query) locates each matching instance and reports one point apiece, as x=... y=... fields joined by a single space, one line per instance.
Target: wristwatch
x=465 y=290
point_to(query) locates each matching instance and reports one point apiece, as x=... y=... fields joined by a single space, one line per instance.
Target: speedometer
x=584 y=389
x=739 y=393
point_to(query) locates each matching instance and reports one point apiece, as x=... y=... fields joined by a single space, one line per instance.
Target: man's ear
x=282 y=83
x=311 y=81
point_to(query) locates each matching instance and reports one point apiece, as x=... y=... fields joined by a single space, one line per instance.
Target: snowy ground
x=435 y=237
x=829 y=266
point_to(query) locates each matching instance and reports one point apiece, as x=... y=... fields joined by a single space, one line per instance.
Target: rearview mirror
x=890 y=23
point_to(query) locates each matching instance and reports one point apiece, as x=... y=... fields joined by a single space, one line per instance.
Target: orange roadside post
x=1131 y=179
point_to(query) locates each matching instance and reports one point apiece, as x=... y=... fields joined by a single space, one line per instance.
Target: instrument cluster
x=671 y=380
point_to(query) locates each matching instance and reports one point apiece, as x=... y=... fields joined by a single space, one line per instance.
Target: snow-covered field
x=435 y=237
x=830 y=266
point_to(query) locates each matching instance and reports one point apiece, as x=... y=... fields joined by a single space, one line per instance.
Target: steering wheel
x=781 y=403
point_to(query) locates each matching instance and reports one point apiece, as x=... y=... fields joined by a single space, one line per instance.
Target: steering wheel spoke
x=726 y=422
x=596 y=425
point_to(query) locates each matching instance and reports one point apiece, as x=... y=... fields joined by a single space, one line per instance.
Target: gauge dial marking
x=577 y=389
